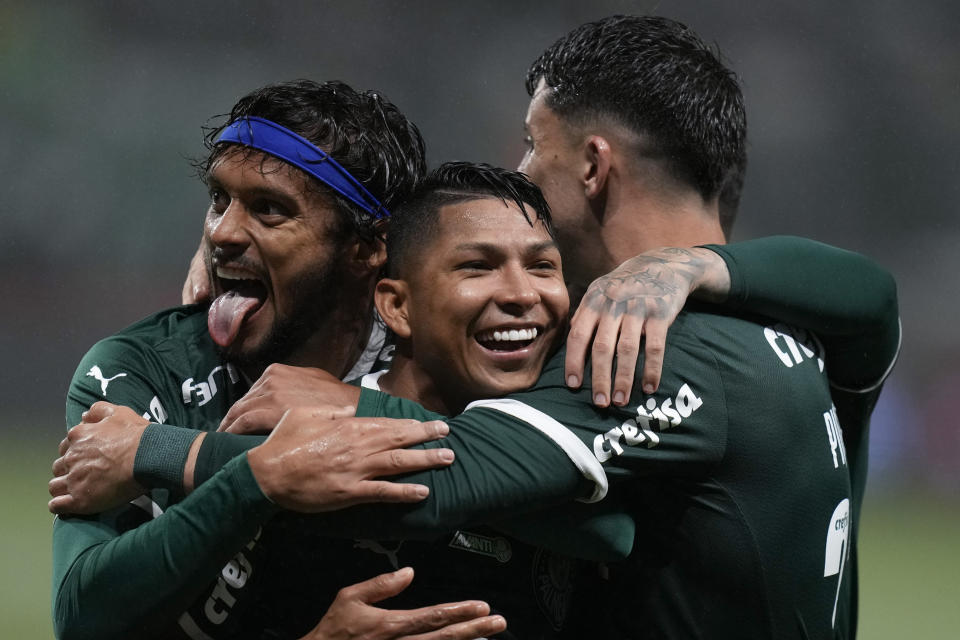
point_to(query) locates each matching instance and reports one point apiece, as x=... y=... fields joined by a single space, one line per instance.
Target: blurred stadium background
x=855 y=140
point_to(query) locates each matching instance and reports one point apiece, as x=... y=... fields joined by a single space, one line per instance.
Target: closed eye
x=474 y=265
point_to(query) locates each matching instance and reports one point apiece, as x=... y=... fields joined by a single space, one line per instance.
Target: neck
x=637 y=218
x=406 y=379
x=338 y=340
x=337 y=345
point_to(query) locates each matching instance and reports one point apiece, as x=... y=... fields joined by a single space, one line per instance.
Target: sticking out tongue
x=227 y=314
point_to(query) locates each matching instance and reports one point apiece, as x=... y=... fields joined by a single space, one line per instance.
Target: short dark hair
x=361 y=130
x=656 y=77
x=414 y=225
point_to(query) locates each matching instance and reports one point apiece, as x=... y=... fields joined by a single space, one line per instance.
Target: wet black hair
x=361 y=130
x=656 y=77
x=415 y=223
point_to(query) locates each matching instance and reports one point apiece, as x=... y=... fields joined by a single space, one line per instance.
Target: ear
x=392 y=299
x=368 y=258
x=598 y=156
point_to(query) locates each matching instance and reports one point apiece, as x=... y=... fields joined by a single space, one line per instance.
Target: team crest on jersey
x=104 y=381
x=497 y=548
x=552 y=579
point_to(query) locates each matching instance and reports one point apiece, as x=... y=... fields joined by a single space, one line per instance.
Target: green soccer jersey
x=133 y=571
x=745 y=472
x=739 y=485
x=505 y=464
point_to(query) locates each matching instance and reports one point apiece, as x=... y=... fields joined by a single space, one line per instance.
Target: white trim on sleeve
x=578 y=452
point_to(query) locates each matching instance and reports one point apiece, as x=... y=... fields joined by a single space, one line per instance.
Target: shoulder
x=161 y=331
x=148 y=362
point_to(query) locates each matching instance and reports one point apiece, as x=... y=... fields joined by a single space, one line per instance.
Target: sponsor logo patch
x=497 y=548
x=203 y=391
x=651 y=419
x=793 y=346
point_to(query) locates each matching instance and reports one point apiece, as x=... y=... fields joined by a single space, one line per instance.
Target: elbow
x=887 y=308
x=881 y=291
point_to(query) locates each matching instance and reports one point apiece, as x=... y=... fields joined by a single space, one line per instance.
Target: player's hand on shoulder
x=283 y=387
x=352 y=615
x=640 y=298
x=94 y=472
x=312 y=464
x=196 y=288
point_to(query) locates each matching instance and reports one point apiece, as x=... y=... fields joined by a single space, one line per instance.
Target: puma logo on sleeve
x=96 y=373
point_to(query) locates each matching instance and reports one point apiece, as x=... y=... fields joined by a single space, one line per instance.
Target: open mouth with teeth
x=507 y=339
x=241 y=298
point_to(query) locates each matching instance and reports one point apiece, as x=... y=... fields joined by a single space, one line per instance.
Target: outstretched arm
x=845 y=298
x=137 y=567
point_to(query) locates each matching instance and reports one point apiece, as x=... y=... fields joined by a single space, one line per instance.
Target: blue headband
x=278 y=141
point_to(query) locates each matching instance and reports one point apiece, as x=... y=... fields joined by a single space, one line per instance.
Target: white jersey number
x=837 y=549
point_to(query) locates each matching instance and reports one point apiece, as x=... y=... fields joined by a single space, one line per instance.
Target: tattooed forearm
x=656 y=283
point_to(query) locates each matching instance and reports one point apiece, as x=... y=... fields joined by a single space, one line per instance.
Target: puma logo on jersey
x=204 y=391
x=96 y=373
x=497 y=548
x=650 y=416
x=793 y=345
x=376 y=547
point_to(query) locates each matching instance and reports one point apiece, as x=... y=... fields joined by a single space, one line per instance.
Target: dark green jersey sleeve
x=106 y=565
x=485 y=485
x=846 y=299
x=152 y=557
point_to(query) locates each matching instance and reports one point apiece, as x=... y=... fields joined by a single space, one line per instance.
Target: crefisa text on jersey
x=650 y=416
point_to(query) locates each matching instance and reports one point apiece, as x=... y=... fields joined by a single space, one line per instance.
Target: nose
x=227 y=229
x=517 y=293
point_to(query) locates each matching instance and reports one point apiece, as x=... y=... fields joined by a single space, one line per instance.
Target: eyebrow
x=489 y=246
x=258 y=191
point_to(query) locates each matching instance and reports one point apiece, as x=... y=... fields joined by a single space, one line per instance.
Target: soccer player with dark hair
x=744 y=470
x=748 y=489
x=691 y=438
x=299 y=175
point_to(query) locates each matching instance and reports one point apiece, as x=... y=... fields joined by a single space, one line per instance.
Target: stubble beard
x=316 y=294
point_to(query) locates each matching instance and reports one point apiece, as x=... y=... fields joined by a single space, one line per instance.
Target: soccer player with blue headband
x=280 y=142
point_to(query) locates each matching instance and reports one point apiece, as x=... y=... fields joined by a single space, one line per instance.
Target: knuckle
x=398 y=436
x=579 y=333
x=436 y=616
x=272 y=369
x=627 y=347
x=601 y=347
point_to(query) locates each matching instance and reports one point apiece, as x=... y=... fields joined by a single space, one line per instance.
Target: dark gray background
x=854 y=130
